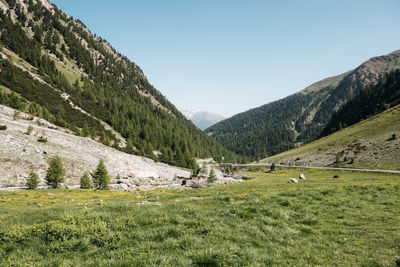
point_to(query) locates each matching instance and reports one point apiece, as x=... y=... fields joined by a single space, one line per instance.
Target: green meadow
x=353 y=220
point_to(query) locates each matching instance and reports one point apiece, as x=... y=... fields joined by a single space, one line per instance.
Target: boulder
x=196 y=183
x=302 y=176
x=119 y=187
x=293 y=180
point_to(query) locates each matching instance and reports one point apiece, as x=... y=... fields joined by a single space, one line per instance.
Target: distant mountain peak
x=202 y=119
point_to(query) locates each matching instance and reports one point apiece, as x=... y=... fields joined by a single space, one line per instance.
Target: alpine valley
x=98 y=168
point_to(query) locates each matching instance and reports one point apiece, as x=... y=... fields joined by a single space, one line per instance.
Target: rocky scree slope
x=299 y=118
x=21 y=152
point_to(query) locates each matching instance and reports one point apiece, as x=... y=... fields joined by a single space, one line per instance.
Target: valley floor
x=352 y=220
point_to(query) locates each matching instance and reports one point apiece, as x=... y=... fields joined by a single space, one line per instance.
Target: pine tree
x=85 y=130
x=195 y=167
x=55 y=173
x=86 y=182
x=33 y=180
x=100 y=177
x=212 y=177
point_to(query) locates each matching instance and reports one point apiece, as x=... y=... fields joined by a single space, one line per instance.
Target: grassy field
x=365 y=145
x=353 y=220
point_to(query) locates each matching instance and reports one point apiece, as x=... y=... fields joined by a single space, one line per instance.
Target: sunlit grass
x=352 y=220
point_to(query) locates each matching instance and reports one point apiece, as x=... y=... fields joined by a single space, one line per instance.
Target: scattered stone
x=293 y=180
x=50 y=194
x=120 y=187
x=302 y=176
x=336 y=176
x=148 y=203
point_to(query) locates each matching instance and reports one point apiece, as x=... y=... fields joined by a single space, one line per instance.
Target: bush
x=86 y=182
x=212 y=177
x=55 y=173
x=33 y=180
x=17 y=115
x=3 y=127
x=42 y=139
x=29 y=130
x=393 y=137
x=100 y=177
x=273 y=167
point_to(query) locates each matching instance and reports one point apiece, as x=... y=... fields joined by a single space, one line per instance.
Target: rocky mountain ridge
x=299 y=118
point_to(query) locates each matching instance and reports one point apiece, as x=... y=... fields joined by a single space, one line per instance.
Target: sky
x=227 y=56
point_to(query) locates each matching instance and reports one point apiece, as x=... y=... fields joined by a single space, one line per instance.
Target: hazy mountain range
x=202 y=119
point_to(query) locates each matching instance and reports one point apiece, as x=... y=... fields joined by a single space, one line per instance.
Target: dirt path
x=311 y=167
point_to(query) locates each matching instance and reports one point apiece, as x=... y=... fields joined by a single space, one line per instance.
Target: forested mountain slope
x=299 y=118
x=372 y=100
x=372 y=143
x=53 y=67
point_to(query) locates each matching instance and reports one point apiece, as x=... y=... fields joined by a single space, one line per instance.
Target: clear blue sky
x=227 y=56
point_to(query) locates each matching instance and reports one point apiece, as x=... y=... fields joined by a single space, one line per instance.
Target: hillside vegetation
x=299 y=118
x=54 y=68
x=370 y=101
x=350 y=221
x=372 y=143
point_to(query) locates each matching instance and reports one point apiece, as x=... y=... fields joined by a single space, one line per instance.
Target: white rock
x=302 y=176
x=293 y=180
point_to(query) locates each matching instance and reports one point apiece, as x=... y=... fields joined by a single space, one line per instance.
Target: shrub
x=29 y=130
x=86 y=182
x=212 y=177
x=33 y=180
x=55 y=173
x=337 y=159
x=17 y=115
x=42 y=139
x=393 y=137
x=100 y=177
x=273 y=167
x=3 y=127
